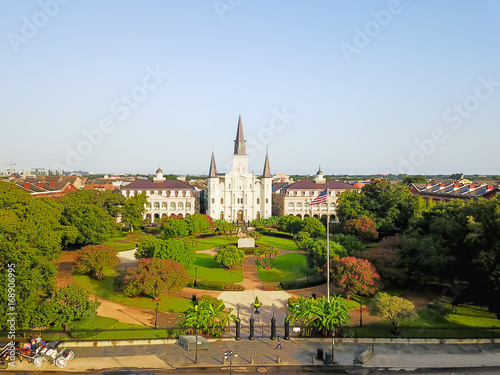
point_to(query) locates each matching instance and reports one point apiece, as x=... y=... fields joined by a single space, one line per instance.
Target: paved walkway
x=263 y=353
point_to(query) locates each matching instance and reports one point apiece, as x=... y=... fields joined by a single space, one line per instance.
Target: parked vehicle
x=50 y=352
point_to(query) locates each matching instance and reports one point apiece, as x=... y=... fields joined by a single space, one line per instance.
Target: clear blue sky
x=356 y=86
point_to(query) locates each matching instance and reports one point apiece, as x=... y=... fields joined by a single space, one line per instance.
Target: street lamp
x=238 y=324
x=360 y=314
x=228 y=354
x=156 y=317
x=195 y=272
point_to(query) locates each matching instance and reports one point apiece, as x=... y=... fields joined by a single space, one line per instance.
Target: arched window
x=258 y=215
x=323 y=206
x=148 y=206
x=332 y=206
x=180 y=206
x=163 y=206
x=306 y=206
x=299 y=206
x=267 y=200
x=291 y=206
x=156 y=206
x=222 y=201
x=258 y=200
x=188 y=205
x=222 y=215
x=172 y=205
x=213 y=200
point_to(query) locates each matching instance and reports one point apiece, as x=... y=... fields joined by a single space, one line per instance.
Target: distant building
x=239 y=195
x=33 y=172
x=166 y=198
x=295 y=199
x=454 y=190
x=45 y=189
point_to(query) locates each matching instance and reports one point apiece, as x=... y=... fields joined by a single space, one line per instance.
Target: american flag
x=321 y=198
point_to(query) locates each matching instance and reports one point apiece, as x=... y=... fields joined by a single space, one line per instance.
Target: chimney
x=53 y=185
x=428 y=184
x=489 y=187
x=456 y=186
x=441 y=185
x=27 y=185
x=472 y=186
x=40 y=184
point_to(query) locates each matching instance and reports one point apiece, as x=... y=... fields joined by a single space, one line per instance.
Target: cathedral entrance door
x=240 y=215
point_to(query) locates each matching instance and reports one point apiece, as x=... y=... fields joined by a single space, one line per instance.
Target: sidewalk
x=262 y=352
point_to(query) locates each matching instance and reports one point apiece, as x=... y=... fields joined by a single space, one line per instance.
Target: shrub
x=211 y=285
x=231 y=286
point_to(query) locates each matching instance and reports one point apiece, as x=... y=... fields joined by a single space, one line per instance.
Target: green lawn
x=209 y=269
x=211 y=242
x=105 y=289
x=287 y=267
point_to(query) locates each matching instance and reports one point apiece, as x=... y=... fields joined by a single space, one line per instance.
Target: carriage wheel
x=61 y=362
x=38 y=361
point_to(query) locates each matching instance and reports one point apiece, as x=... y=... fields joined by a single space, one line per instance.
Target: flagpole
x=327 y=247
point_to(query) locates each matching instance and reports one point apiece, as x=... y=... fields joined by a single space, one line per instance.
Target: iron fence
x=261 y=331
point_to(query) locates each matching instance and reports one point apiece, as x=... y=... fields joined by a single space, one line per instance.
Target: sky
x=358 y=87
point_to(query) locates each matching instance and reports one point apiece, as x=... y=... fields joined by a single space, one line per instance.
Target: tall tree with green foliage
x=93 y=259
x=155 y=277
x=173 y=227
x=132 y=210
x=197 y=224
x=174 y=249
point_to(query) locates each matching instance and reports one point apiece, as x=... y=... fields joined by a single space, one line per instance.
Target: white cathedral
x=239 y=195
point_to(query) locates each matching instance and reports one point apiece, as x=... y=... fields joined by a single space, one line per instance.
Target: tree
x=316 y=252
x=197 y=224
x=310 y=225
x=354 y=276
x=208 y=315
x=256 y=235
x=154 y=277
x=267 y=255
x=289 y=224
x=175 y=249
x=363 y=227
x=226 y=228
x=417 y=179
x=390 y=206
x=230 y=256
x=133 y=209
x=318 y=314
x=93 y=223
x=395 y=309
x=351 y=243
x=387 y=260
x=173 y=228
x=69 y=304
x=94 y=259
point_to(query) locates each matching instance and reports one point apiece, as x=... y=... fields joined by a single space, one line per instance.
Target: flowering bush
x=354 y=276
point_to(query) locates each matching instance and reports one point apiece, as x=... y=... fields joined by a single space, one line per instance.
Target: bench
x=365 y=356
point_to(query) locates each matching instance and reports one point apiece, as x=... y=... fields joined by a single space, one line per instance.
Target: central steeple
x=239 y=143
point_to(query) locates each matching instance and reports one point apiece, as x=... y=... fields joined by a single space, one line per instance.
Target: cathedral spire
x=239 y=143
x=267 y=169
x=213 y=169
